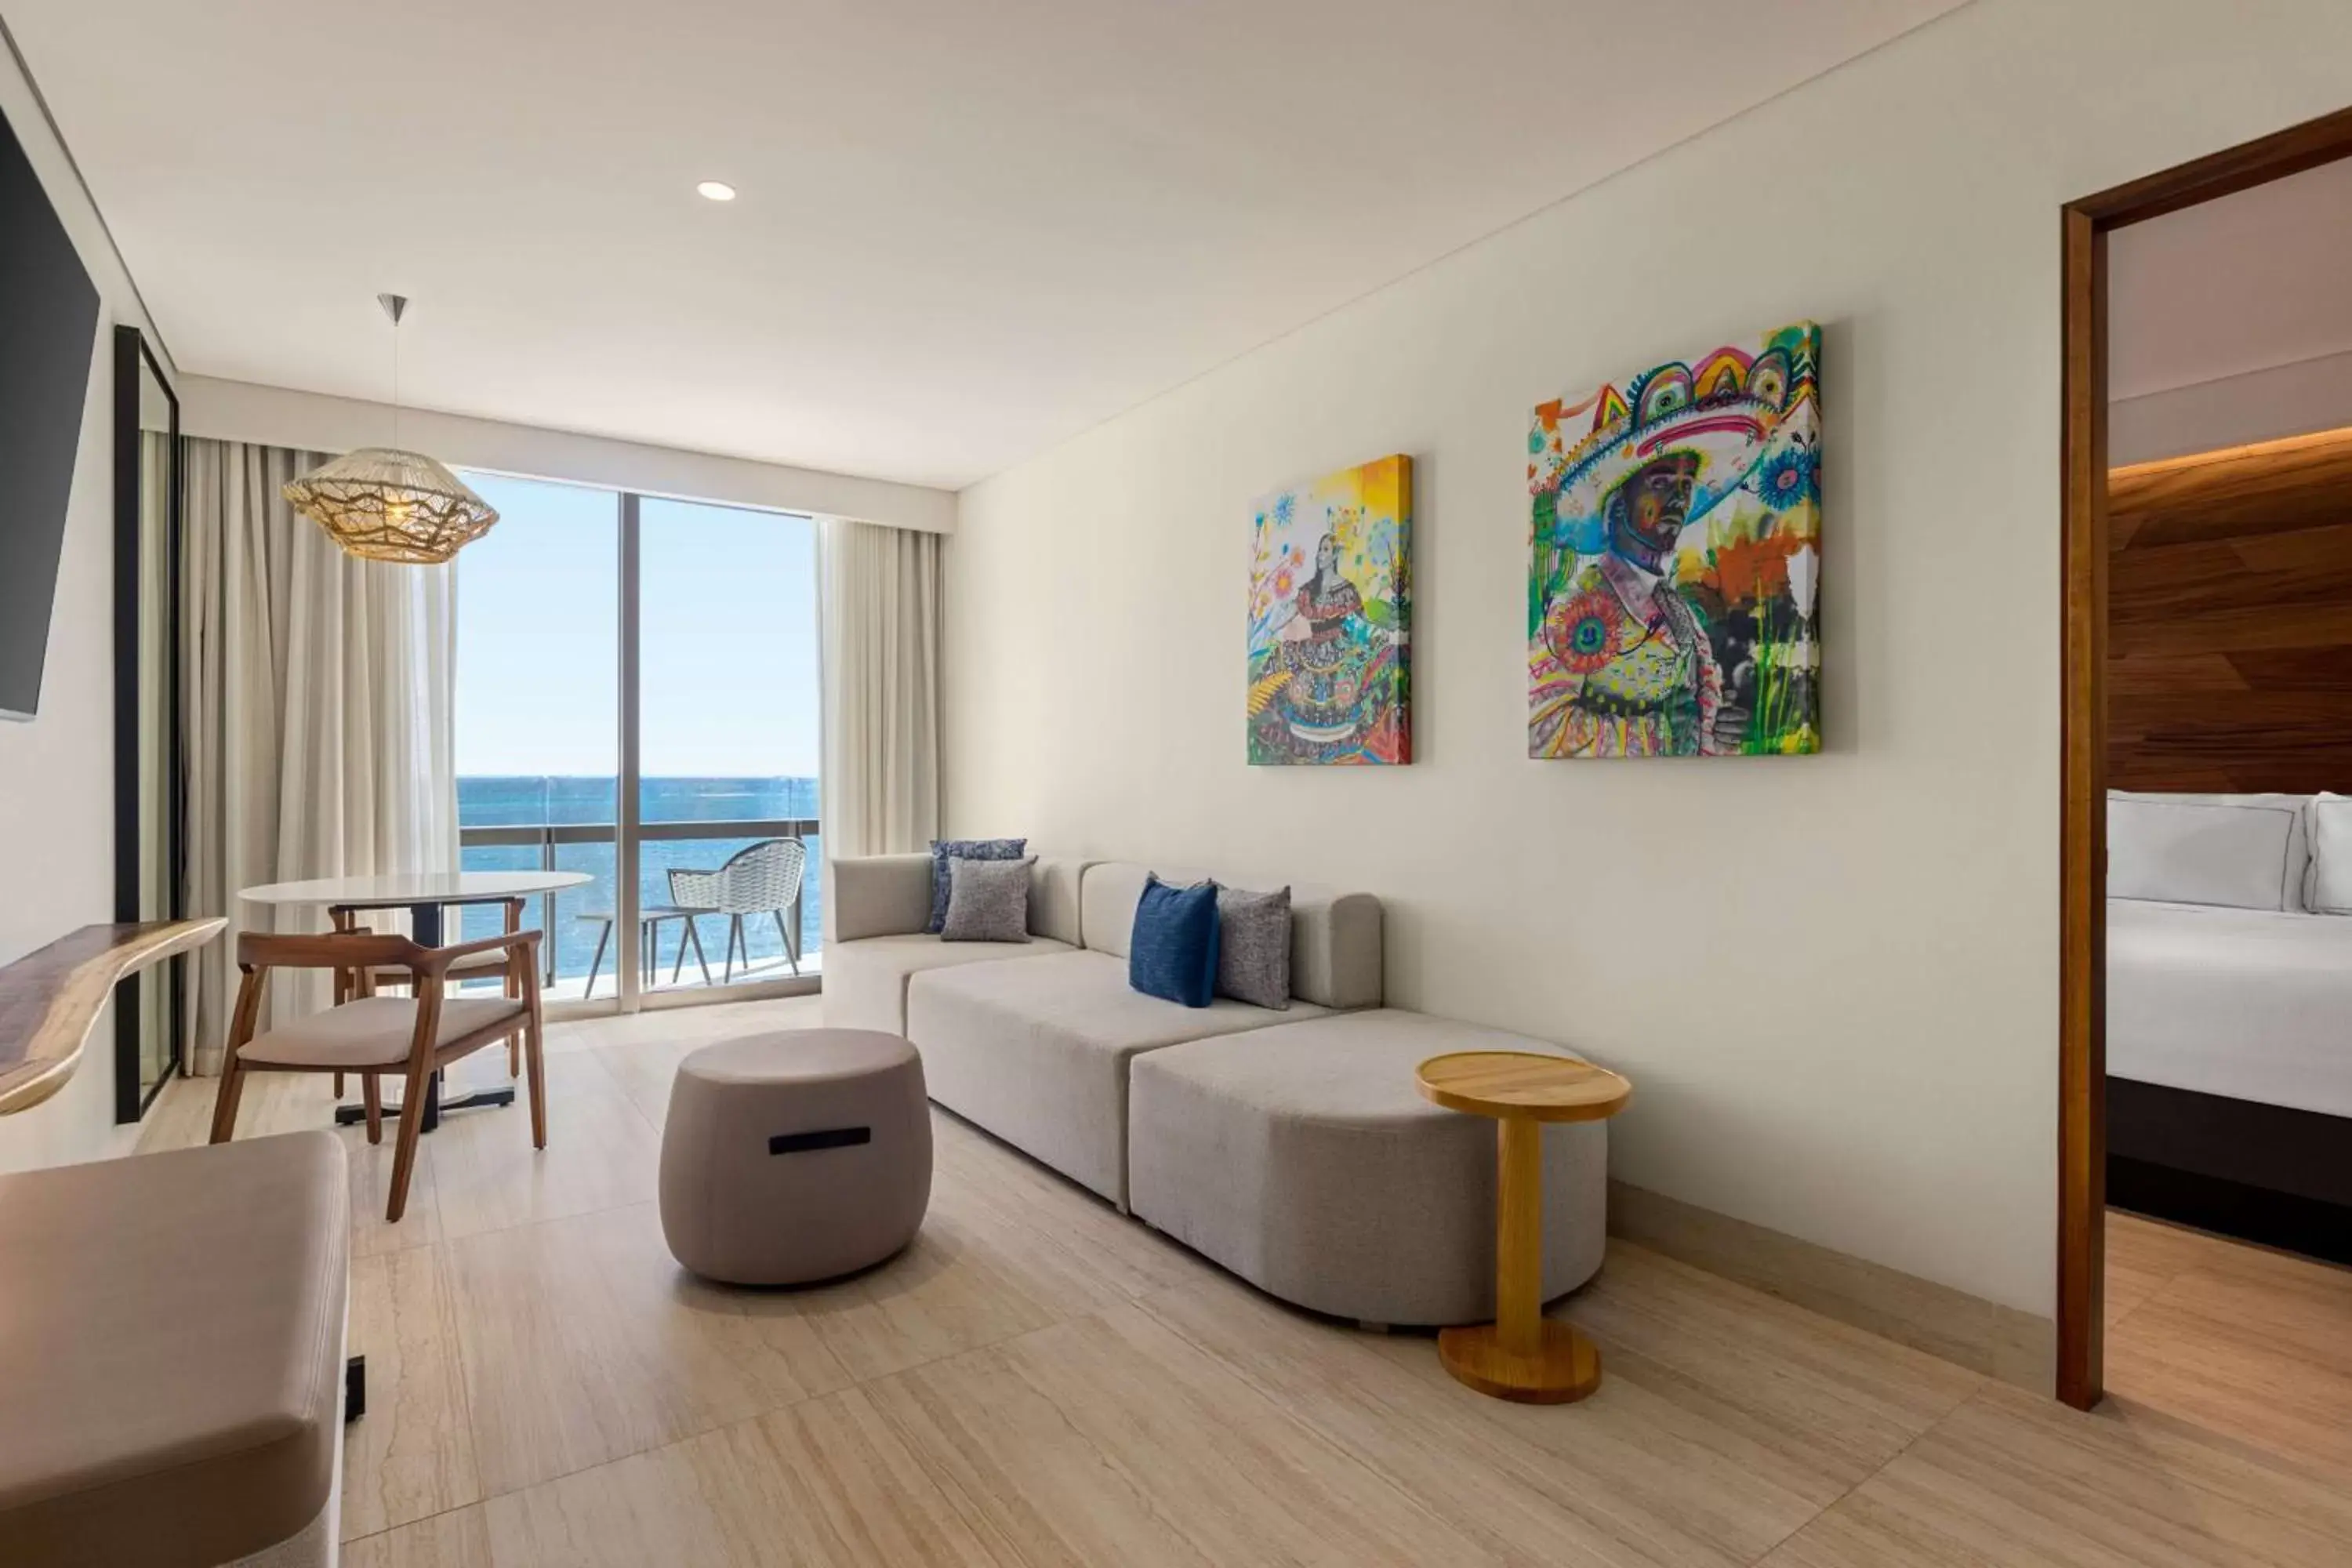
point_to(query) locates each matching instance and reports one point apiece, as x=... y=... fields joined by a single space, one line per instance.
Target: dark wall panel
x=2230 y=620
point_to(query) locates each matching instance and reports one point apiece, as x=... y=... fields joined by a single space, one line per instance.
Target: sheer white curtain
x=320 y=700
x=879 y=603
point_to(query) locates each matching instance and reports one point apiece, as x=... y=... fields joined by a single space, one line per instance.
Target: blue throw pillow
x=945 y=850
x=1173 y=951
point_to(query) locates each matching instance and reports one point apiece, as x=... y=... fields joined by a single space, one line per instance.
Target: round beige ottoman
x=795 y=1156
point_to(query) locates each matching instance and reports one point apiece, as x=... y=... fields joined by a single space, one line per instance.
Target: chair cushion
x=125 y=1439
x=372 y=1031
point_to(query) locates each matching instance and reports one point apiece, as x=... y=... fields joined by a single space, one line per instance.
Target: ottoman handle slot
x=827 y=1138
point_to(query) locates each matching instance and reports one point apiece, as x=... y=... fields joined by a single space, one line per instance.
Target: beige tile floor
x=1040 y=1382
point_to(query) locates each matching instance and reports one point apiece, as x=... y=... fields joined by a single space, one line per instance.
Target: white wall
x=2299 y=399
x=57 y=773
x=1833 y=979
x=309 y=421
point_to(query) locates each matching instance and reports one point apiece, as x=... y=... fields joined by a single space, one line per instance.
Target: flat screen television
x=48 y=330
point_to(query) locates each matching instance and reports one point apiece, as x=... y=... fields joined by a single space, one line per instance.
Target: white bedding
x=2252 y=1003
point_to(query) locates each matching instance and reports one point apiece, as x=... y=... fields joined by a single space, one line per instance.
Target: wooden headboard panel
x=2230 y=620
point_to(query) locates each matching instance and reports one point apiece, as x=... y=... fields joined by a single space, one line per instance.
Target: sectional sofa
x=1289 y=1144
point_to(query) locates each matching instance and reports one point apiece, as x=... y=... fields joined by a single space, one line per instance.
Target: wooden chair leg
x=372 y=1092
x=534 y=1052
x=403 y=1149
x=535 y=1055
x=232 y=1088
x=513 y=924
x=411 y=1110
x=242 y=1025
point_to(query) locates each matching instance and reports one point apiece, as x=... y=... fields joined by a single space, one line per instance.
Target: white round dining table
x=421 y=893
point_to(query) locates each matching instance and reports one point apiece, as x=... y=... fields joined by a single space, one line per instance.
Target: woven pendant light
x=385 y=504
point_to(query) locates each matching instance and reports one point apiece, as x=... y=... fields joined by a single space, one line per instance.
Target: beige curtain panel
x=879 y=603
x=320 y=700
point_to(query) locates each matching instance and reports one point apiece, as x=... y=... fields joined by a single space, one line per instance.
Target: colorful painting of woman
x=1328 y=633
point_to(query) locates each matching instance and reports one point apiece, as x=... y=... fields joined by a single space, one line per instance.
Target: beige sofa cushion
x=1053 y=883
x=866 y=981
x=1036 y=1051
x=1303 y=1158
x=1335 y=937
x=890 y=895
x=126 y=1437
x=875 y=895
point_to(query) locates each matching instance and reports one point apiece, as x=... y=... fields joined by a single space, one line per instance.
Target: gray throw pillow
x=945 y=852
x=988 y=901
x=1253 y=946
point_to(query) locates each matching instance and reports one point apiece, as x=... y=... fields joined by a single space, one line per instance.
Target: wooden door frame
x=2083 y=830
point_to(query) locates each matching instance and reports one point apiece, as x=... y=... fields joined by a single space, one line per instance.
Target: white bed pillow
x=2176 y=850
x=2328 y=823
x=2299 y=864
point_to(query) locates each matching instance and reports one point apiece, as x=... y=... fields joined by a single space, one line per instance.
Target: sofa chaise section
x=876 y=908
x=1303 y=1158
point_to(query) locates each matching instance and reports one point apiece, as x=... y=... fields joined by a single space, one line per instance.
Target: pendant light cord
x=396 y=383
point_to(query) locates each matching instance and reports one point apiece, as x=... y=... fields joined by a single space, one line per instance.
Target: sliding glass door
x=706 y=617
x=727 y=719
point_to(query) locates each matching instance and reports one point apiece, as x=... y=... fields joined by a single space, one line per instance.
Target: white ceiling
x=967 y=230
x=2250 y=282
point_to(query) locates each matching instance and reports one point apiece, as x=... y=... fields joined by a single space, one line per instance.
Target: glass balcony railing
x=677 y=950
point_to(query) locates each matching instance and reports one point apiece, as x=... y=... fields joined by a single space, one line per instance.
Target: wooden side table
x=1522 y=1354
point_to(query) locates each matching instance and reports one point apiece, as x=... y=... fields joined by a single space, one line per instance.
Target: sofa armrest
x=1336 y=947
x=1053 y=899
x=876 y=895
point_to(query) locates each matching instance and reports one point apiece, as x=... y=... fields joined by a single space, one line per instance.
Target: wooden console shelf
x=49 y=999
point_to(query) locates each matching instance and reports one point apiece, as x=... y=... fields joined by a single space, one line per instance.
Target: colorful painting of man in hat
x=1330 y=613
x=1674 y=545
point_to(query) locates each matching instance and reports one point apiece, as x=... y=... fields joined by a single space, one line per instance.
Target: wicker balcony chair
x=763 y=880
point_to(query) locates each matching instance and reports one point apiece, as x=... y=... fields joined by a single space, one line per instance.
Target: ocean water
x=508 y=801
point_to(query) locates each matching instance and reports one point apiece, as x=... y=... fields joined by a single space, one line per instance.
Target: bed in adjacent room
x=2229 y=1015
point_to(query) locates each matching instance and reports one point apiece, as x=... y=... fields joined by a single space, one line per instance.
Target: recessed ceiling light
x=716 y=189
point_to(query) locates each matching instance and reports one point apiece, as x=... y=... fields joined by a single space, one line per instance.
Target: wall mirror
x=150 y=1009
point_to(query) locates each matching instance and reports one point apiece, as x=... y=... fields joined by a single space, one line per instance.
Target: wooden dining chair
x=362 y=981
x=414 y=1035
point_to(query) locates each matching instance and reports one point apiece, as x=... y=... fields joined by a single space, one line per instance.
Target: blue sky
x=727 y=636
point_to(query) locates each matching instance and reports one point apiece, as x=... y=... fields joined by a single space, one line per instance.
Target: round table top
x=392 y=890
x=1522 y=1084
